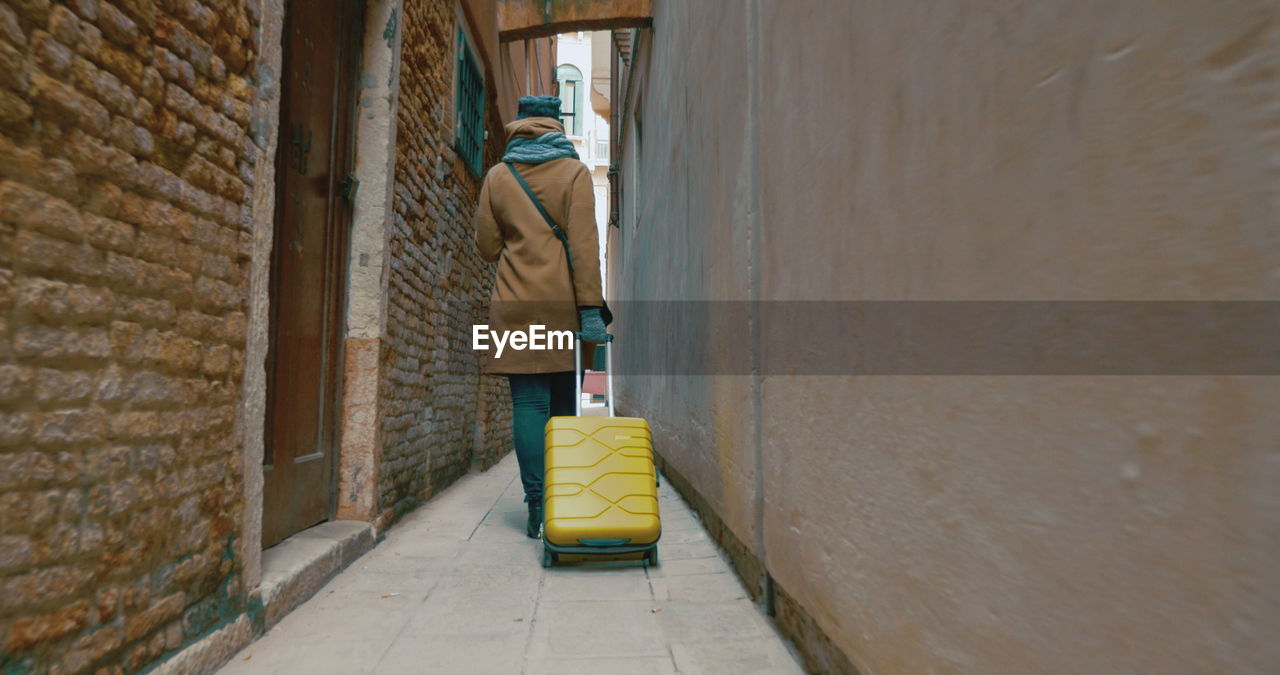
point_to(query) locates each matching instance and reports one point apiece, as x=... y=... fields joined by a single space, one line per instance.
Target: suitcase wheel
x=548 y=558
x=651 y=557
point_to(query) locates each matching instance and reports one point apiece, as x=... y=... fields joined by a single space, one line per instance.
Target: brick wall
x=441 y=415
x=124 y=236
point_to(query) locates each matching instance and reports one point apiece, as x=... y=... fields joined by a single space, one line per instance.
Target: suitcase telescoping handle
x=577 y=372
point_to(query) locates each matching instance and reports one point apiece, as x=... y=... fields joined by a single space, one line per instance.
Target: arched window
x=571 y=98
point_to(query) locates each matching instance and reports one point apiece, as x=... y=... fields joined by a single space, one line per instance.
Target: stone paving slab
x=456 y=587
x=648 y=665
x=623 y=628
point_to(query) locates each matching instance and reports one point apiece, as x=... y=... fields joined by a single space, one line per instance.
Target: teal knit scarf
x=549 y=146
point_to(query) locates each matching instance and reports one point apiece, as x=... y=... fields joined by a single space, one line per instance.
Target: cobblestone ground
x=456 y=587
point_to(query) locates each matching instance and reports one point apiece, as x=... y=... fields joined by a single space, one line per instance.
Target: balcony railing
x=595 y=150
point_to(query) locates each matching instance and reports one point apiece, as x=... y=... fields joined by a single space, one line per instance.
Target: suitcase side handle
x=603 y=542
x=577 y=372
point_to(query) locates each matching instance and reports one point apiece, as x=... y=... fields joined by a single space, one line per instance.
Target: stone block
x=68 y=105
x=16 y=552
x=87 y=9
x=14 y=110
x=103 y=87
x=62 y=303
x=32 y=208
x=43 y=586
x=53 y=56
x=10 y=29
x=29 y=631
x=116 y=25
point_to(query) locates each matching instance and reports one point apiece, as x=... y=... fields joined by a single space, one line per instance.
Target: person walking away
x=541 y=280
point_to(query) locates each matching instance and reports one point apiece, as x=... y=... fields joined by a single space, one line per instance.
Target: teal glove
x=592 y=324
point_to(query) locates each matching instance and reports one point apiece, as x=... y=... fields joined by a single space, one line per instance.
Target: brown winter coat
x=533 y=284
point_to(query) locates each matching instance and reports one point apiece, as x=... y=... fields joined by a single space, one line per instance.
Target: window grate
x=470 y=110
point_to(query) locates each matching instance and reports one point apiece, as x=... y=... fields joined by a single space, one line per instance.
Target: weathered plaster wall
x=687 y=214
x=264 y=128
x=369 y=262
x=917 y=150
x=1048 y=151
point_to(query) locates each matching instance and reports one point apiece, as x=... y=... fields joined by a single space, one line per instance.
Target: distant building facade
x=582 y=80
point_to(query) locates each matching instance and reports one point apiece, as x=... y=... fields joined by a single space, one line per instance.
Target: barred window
x=469 y=122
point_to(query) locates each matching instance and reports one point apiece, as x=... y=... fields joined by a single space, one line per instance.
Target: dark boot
x=534 y=528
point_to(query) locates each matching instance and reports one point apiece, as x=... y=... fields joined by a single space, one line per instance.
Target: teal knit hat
x=538 y=106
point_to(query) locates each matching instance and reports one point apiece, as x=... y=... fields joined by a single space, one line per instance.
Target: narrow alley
x=456 y=588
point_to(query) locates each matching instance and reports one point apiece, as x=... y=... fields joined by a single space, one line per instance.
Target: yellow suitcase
x=601 y=486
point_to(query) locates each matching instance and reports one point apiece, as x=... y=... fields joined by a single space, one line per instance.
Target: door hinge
x=348 y=186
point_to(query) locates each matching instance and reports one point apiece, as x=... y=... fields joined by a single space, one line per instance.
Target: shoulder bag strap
x=564 y=239
x=605 y=312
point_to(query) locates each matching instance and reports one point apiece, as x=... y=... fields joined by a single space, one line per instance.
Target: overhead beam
x=530 y=19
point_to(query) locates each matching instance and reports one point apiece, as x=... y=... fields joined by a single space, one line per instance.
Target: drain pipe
x=615 y=132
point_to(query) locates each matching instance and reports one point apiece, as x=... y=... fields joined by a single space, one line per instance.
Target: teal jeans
x=535 y=399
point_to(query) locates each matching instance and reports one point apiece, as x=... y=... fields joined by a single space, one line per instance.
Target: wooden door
x=308 y=270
